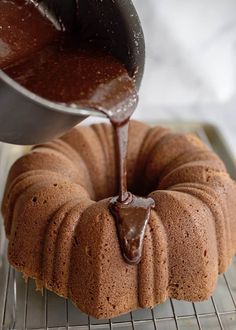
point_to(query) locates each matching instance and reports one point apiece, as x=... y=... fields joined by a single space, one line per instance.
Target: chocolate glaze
x=132 y=216
x=22 y=31
x=58 y=67
x=68 y=72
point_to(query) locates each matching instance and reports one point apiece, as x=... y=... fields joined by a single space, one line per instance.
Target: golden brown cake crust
x=62 y=234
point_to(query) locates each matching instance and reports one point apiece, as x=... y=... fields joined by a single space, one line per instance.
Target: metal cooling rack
x=21 y=307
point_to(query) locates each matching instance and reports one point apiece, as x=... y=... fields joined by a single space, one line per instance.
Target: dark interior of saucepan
x=113 y=23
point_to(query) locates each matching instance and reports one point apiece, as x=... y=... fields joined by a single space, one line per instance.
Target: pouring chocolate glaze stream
x=83 y=75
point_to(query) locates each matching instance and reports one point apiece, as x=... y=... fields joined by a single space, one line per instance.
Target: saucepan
x=26 y=118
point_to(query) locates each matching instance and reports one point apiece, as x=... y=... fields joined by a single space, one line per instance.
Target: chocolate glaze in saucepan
x=60 y=68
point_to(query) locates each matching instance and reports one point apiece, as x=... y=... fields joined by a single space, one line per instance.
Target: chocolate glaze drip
x=132 y=216
x=57 y=67
x=121 y=135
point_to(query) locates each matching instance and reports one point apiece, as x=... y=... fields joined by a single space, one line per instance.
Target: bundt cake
x=62 y=234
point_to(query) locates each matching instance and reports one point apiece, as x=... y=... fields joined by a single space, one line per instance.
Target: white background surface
x=191 y=62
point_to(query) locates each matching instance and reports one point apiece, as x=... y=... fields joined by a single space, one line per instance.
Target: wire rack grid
x=21 y=307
